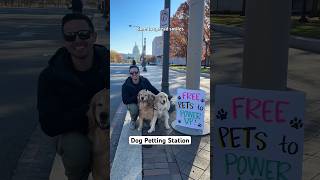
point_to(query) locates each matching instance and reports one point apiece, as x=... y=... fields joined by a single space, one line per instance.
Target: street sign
x=258 y=133
x=190 y=108
x=164 y=18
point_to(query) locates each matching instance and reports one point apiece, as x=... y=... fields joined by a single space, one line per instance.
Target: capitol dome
x=136 y=52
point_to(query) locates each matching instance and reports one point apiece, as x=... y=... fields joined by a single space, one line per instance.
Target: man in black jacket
x=75 y=73
x=130 y=90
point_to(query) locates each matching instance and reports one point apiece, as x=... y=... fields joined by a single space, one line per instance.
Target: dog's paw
x=150 y=130
x=167 y=127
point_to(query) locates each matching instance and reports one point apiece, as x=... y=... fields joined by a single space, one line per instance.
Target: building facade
x=157 y=48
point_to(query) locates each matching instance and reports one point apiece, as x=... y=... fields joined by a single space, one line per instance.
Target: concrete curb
x=127 y=163
x=297 y=42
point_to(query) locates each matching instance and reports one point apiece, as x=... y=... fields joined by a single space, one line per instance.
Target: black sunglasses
x=134 y=72
x=71 y=36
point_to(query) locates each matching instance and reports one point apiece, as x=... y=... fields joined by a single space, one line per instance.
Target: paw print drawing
x=222 y=115
x=296 y=123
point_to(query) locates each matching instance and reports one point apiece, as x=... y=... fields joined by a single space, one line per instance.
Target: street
x=25 y=49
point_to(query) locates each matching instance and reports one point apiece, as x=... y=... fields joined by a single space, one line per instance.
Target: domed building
x=136 y=53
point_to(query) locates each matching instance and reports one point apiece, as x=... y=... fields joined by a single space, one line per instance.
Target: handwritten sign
x=258 y=134
x=190 y=108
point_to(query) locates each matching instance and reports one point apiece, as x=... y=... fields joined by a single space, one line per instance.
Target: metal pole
x=165 y=64
x=265 y=59
x=141 y=59
x=195 y=37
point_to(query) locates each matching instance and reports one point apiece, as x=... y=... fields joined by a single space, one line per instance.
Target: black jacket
x=64 y=94
x=130 y=91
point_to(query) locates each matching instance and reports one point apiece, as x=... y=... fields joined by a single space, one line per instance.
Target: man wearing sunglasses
x=130 y=90
x=75 y=73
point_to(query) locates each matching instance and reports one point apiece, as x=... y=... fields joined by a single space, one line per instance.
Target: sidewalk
x=165 y=162
x=302 y=43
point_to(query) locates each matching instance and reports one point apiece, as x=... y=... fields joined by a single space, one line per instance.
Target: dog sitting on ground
x=161 y=110
x=98 y=115
x=146 y=107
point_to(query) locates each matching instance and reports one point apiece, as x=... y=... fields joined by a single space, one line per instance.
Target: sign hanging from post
x=164 y=18
x=258 y=133
x=190 y=108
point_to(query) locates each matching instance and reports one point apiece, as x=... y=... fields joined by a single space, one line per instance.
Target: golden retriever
x=98 y=115
x=161 y=110
x=146 y=107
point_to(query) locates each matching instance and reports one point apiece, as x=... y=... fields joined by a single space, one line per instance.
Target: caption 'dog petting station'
x=258 y=133
x=190 y=112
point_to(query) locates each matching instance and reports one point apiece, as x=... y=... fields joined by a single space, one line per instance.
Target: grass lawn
x=310 y=29
x=181 y=67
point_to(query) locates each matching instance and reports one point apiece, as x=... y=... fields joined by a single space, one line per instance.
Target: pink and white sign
x=258 y=134
x=190 y=108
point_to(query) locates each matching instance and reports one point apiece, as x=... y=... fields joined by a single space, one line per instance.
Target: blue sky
x=144 y=13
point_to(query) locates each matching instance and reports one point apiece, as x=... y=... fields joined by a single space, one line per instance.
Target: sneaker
x=132 y=124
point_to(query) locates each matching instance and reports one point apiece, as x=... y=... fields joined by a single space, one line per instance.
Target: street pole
x=141 y=57
x=195 y=34
x=165 y=64
x=265 y=59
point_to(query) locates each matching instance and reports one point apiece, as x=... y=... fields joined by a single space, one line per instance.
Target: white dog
x=161 y=108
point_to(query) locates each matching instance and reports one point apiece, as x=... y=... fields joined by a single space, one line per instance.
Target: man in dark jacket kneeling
x=130 y=90
x=75 y=73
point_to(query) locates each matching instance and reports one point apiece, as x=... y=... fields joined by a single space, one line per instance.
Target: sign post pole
x=166 y=44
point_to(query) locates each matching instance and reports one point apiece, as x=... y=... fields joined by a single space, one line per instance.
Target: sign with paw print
x=258 y=134
x=190 y=108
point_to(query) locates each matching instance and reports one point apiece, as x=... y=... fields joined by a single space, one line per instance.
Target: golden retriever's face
x=163 y=98
x=145 y=96
x=163 y=101
x=99 y=108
